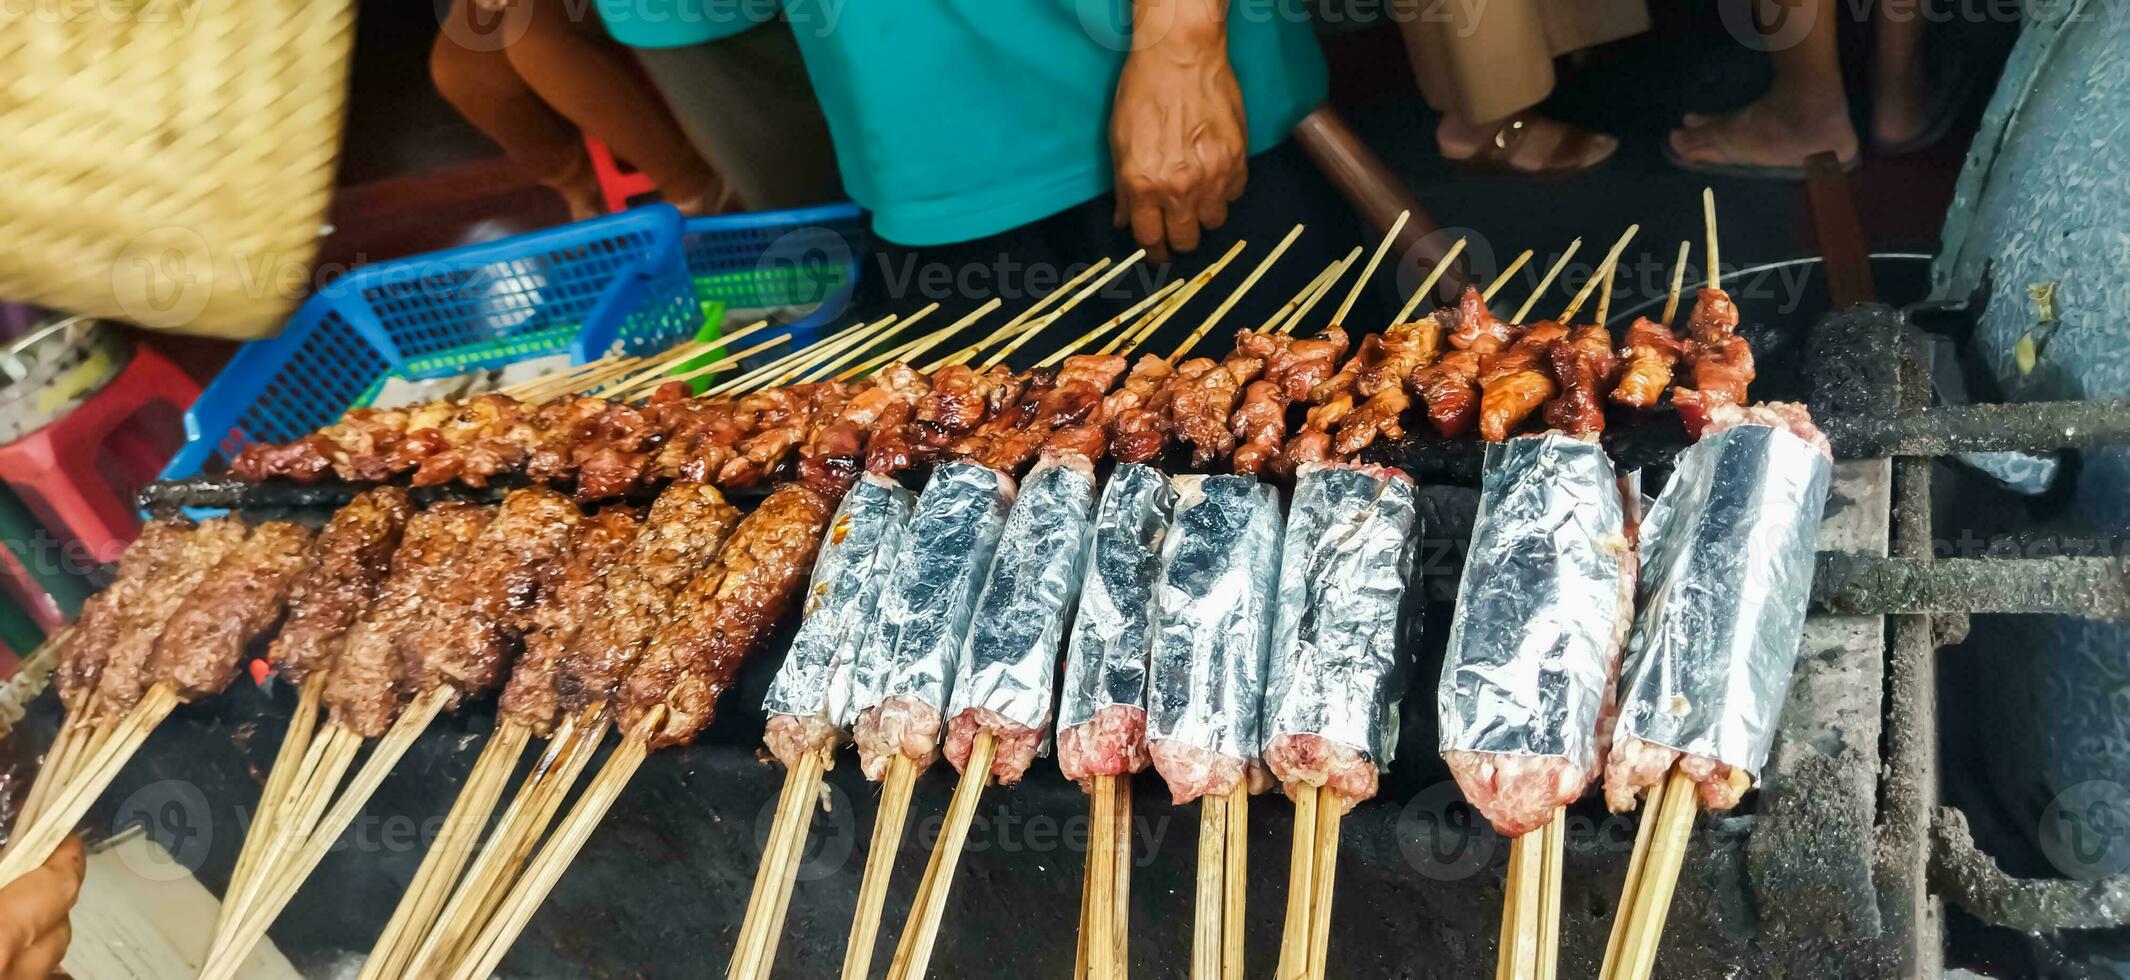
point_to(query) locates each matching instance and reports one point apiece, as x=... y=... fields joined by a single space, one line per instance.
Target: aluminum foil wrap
x=1337 y=669
x=1010 y=661
x=1728 y=555
x=856 y=556
x=1529 y=654
x=1219 y=569
x=923 y=615
x=1105 y=662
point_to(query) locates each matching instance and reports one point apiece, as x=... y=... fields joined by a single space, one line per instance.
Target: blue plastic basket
x=807 y=261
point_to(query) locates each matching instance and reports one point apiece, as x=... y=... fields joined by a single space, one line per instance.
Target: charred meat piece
x=1260 y=425
x=1073 y=400
x=1140 y=433
x=782 y=421
x=723 y=614
x=124 y=678
x=200 y=650
x=352 y=555
x=835 y=453
x=365 y=685
x=1205 y=400
x=1714 y=317
x=1581 y=365
x=1477 y=329
x=463 y=639
x=1450 y=386
x=572 y=592
x=687 y=525
x=1381 y=415
x=1650 y=352
x=146 y=563
x=1513 y=383
x=1722 y=369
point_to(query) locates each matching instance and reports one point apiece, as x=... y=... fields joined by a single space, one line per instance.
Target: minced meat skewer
x=464 y=638
x=144 y=564
x=202 y=647
x=686 y=526
x=1102 y=718
x=123 y=678
x=722 y=615
x=363 y=685
x=353 y=555
x=572 y=593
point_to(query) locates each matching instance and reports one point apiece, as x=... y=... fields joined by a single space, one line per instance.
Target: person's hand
x=34 y=930
x=1177 y=135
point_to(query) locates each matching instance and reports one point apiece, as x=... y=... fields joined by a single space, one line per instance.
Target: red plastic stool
x=616 y=186
x=80 y=474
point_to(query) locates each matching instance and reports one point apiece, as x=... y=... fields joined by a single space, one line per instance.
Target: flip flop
x=1563 y=160
x=1747 y=171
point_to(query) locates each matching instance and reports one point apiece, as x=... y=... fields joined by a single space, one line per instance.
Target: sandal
x=1564 y=159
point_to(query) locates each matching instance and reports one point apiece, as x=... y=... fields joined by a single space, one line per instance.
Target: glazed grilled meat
x=1477 y=329
x=203 y=645
x=572 y=594
x=142 y=568
x=1581 y=365
x=352 y=555
x=1650 y=353
x=463 y=642
x=1450 y=386
x=1514 y=382
x=722 y=614
x=687 y=525
x=1204 y=401
x=366 y=684
x=124 y=673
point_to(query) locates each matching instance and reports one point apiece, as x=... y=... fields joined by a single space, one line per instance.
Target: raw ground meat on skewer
x=353 y=555
x=572 y=592
x=202 y=648
x=1634 y=764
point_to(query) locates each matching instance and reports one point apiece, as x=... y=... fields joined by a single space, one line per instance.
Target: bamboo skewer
x=1138 y=333
x=1708 y=221
x=1221 y=311
x=1549 y=913
x=1637 y=860
x=1100 y=914
x=820 y=349
x=772 y=882
x=1234 y=899
x=524 y=898
x=1427 y=286
x=895 y=791
x=288 y=768
x=282 y=880
x=1551 y=272
x=587 y=381
x=1506 y=274
x=1354 y=294
x=725 y=363
x=1301 y=885
x=825 y=371
x=1678 y=279
x=821 y=353
x=1323 y=289
x=67 y=805
x=59 y=762
x=1316 y=284
x=448 y=854
x=1036 y=325
x=519 y=389
x=1121 y=909
x=1324 y=866
x=686 y=352
x=524 y=822
x=1602 y=273
x=913 y=955
x=924 y=343
x=1112 y=323
x=1019 y=320
x=1208 y=906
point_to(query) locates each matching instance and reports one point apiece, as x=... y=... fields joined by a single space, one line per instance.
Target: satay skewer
x=922 y=344
x=1236 y=296
x=808 y=358
x=1427 y=286
x=1037 y=325
x=1330 y=278
x=726 y=363
x=765 y=375
x=1552 y=271
x=1678 y=279
x=686 y=352
x=1139 y=332
x=1354 y=294
x=824 y=371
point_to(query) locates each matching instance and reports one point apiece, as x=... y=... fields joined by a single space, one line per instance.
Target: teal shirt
x=955 y=119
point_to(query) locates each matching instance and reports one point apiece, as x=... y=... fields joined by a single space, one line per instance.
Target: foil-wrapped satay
x=808 y=701
x=1220 y=566
x=1728 y=551
x=1338 y=666
x=1541 y=610
x=1003 y=683
x=1102 y=714
x=903 y=673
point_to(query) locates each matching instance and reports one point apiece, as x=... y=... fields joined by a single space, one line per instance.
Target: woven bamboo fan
x=169 y=162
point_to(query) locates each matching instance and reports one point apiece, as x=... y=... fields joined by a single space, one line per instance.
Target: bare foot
x=1530 y=141
x=1763 y=135
x=1900 y=105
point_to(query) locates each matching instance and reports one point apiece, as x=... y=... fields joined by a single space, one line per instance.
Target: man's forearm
x=1179 y=22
